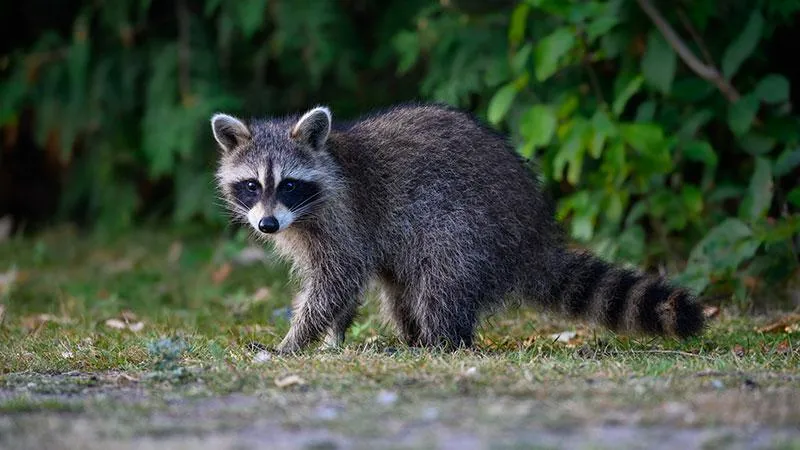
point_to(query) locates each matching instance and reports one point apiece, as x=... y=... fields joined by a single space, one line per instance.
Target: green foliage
x=122 y=96
x=652 y=162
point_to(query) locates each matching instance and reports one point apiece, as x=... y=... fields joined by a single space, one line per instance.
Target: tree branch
x=695 y=37
x=707 y=72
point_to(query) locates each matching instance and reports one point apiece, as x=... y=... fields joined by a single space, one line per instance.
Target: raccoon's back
x=442 y=157
x=437 y=182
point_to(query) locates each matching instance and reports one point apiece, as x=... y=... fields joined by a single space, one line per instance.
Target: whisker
x=305 y=202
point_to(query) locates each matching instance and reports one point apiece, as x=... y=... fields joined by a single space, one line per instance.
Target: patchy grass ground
x=147 y=341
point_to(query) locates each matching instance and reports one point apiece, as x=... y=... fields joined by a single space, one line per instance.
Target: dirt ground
x=110 y=411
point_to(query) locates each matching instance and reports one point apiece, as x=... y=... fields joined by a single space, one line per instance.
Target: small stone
x=387 y=398
x=326 y=413
x=430 y=413
x=262 y=357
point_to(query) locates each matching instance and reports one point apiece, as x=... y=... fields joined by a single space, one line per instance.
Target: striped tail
x=624 y=300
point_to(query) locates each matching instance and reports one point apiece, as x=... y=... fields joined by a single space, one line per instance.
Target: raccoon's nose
x=268 y=224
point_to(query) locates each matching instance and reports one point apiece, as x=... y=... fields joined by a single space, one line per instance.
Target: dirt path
x=88 y=411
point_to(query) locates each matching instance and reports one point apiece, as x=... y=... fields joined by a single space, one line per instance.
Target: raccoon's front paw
x=333 y=340
x=287 y=347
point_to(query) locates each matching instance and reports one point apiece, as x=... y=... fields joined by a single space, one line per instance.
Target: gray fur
x=439 y=210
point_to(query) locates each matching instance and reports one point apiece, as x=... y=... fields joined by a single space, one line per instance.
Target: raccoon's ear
x=229 y=131
x=313 y=128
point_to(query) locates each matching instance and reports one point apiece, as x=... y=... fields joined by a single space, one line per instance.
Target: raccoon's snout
x=268 y=224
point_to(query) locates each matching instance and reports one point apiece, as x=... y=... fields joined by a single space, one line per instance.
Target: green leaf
x=538 y=126
x=726 y=246
x=568 y=105
x=773 y=88
x=794 y=197
x=571 y=152
x=250 y=14
x=787 y=161
x=742 y=113
x=550 y=50
x=757 y=144
x=629 y=91
x=692 y=89
x=723 y=249
x=601 y=26
x=644 y=137
x=692 y=199
x=694 y=123
x=741 y=48
x=501 y=102
x=406 y=44
x=614 y=207
x=645 y=112
x=702 y=151
x=585 y=211
x=759 y=193
x=602 y=123
x=602 y=129
x=519 y=20
x=659 y=63
x=521 y=58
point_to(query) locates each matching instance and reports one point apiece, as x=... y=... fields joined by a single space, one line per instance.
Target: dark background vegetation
x=686 y=168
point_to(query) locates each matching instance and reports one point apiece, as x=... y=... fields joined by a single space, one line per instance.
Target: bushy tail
x=623 y=300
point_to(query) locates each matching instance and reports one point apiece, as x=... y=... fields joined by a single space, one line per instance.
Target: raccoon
x=436 y=207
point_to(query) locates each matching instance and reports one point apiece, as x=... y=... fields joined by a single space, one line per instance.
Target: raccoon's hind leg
x=398 y=306
x=446 y=307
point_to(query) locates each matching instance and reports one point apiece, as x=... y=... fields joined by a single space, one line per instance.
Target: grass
x=125 y=329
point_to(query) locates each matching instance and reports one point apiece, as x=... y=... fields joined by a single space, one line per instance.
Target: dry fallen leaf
x=262 y=294
x=123 y=265
x=290 y=380
x=711 y=312
x=34 y=322
x=7 y=279
x=221 y=274
x=786 y=324
x=175 y=251
x=564 y=336
x=116 y=323
x=126 y=321
x=783 y=348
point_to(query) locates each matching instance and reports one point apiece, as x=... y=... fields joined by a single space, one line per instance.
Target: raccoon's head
x=275 y=172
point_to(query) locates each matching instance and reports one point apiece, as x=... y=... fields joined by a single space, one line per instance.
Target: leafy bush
x=654 y=156
x=123 y=93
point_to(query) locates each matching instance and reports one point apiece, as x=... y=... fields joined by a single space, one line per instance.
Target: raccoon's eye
x=252 y=185
x=289 y=185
